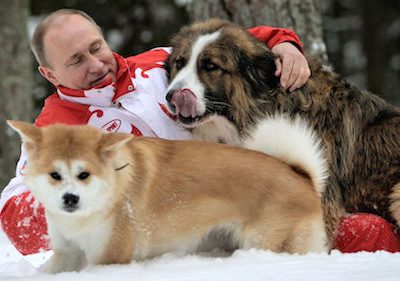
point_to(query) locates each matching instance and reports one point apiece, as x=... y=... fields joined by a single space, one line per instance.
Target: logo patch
x=112 y=126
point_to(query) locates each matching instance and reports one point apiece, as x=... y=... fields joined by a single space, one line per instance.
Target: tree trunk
x=302 y=16
x=15 y=82
x=381 y=44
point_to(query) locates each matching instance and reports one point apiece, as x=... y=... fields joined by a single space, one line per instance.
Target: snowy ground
x=252 y=265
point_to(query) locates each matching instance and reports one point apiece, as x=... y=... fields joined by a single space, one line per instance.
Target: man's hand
x=291 y=66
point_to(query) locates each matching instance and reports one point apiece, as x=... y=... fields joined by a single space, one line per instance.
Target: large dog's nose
x=70 y=201
x=183 y=101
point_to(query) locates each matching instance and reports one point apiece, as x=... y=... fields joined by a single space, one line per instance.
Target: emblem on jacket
x=112 y=126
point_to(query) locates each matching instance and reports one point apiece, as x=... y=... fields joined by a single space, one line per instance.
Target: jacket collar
x=107 y=92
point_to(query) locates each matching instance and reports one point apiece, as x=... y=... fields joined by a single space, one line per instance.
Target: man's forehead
x=64 y=19
x=68 y=33
x=69 y=24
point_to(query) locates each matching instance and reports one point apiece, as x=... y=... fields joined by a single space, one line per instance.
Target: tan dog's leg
x=309 y=236
x=287 y=233
x=63 y=261
x=66 y=256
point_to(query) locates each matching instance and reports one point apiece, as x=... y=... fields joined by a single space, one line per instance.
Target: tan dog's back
x=191 y=188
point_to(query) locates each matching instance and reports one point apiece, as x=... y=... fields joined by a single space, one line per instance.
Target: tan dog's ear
x=111 y=143
x=30 y=134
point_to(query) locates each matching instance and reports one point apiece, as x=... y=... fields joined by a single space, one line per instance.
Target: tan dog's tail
x=294 y=142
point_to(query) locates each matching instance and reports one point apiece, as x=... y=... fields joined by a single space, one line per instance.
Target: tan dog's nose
x=70 y=202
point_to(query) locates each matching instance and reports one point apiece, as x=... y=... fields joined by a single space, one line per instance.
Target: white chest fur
x=218 y=130
x=80 y=236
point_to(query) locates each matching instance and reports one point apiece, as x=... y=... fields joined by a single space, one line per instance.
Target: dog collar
x=123 y=166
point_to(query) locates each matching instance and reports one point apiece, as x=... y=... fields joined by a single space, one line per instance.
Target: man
x=98 y=87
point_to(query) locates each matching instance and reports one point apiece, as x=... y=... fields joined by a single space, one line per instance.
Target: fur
x=110 y=198
x=236 y=82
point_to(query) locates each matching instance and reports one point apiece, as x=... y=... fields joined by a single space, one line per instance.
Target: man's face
x=77 y=54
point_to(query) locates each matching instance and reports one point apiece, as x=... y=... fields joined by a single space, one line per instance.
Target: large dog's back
x=362 y=134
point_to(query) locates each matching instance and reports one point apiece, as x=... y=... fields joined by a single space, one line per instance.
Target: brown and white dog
x=222 y=85
x=110 y=198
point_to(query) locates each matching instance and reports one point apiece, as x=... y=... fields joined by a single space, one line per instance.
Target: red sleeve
x=146 y=61
x=274 y=35
x=24 y=222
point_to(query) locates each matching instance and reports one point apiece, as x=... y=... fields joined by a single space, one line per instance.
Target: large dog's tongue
x=184 y=101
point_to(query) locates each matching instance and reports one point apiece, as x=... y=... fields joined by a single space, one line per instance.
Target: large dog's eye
x=209 y=66
x=56 y=176
x=83 y=175
x=180 y=63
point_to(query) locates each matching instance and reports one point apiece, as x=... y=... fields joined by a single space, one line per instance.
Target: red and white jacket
x=135 y=104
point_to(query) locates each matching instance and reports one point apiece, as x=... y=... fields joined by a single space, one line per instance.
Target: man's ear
x=259 y=71
x=30 y=134
x=111 y=143
x=48 y=74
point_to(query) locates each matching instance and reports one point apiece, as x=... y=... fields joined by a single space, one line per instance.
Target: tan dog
x=110 y=198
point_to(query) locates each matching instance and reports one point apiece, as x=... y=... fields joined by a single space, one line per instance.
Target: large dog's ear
x=30 y=134
x=259 y=71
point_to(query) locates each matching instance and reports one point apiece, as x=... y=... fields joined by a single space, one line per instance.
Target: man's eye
x=95 y=49
x=76 y=62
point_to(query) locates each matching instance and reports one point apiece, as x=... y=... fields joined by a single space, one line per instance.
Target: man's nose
x=95 y=64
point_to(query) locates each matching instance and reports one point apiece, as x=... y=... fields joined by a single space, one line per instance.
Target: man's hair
x=37 y=44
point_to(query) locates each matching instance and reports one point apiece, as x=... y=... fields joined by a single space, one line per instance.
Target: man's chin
x=102 y=82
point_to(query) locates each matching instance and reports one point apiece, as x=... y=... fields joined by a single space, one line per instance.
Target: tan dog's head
x=217 y=68
x=71 y=169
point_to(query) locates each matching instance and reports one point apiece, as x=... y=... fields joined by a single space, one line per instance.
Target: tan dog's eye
x=83 y=175
x=56 y=176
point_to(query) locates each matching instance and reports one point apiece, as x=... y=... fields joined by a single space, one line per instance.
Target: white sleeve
x=16 y=185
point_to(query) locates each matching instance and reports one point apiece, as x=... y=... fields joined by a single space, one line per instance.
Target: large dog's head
x=72 y=170
x=217 y=68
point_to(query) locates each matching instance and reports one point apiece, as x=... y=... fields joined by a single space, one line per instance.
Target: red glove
x=25 y=224
x=366 y=232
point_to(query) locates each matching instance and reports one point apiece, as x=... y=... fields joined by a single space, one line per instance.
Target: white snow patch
x=255 y=265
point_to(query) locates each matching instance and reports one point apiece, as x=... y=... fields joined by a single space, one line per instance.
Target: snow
x=246 y=265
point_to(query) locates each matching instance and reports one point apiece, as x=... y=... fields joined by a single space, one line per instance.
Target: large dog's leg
x=395 y=203
x=333 y=210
